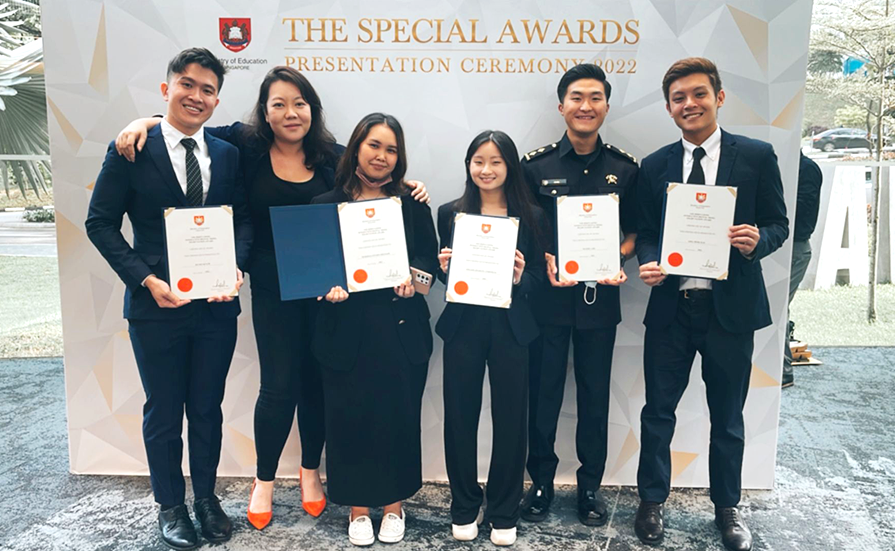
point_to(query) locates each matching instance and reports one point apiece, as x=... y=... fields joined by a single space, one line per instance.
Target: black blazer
x=519 y=314
x=334 y=341
x=142 y=190
x=741 y=301
x=252 y=155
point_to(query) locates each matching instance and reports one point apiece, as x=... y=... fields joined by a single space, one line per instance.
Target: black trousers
x=290 y=381
x=668 y=355
x=183 y=366
x=485 y=337
x=593 y=364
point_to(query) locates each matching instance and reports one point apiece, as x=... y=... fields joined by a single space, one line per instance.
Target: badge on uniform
x=611 y=179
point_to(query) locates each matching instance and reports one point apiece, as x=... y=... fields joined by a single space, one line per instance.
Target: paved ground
x=835 y=481
x=20 y=238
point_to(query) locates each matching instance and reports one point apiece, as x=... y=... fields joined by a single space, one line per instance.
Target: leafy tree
x=862 y=29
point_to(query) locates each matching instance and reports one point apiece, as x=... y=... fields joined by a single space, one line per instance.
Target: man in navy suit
x=183 y=349
x=718 y=319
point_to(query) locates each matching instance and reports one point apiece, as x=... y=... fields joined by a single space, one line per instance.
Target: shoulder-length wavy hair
x=347 y=180
x=520 y=201
x=317 y=143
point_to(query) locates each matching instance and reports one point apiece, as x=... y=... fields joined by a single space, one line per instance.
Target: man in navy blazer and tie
x=718 y=319
x=183 y=349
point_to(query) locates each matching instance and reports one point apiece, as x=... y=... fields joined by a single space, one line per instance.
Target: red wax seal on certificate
x=461 y=287
x=185 y=284
x=572 y=267
x=675 y=259
x=360 y=276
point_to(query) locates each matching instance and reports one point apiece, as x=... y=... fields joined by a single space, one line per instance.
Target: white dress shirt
x=709 y=163
x=177 y=154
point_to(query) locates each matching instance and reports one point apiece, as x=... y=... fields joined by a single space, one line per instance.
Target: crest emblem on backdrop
x=199 y=220
x=370 y=213
x=486 y=228
x=700 y=197
x=235 y=33
x=588 y=207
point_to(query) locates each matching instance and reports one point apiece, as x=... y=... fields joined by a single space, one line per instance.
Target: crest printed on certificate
x=373 y=244
x=696 y=219
x=201 y=251
x=587 y=237
x=483 y=252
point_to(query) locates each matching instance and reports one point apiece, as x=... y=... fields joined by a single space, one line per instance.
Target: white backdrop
x=488 y=67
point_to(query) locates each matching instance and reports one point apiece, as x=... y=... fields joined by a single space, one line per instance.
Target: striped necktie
x=193 y=174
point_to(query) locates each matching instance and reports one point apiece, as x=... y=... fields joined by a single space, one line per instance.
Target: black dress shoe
x=216 y=525
x=176 y=528
x=650 y=524
x=734 y=532
x=536 y=503
x=592 y=508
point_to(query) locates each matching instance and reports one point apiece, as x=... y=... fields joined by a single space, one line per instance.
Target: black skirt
x=373 y=455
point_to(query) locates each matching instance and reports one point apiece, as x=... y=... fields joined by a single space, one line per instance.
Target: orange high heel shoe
x=258 y=520
x=313 y=508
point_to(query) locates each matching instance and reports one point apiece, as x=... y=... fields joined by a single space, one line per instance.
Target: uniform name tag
x=557 y=182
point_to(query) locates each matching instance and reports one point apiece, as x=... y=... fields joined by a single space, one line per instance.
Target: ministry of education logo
x=235 y=33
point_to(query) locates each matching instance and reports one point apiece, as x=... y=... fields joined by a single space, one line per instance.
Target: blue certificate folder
x=308 y=245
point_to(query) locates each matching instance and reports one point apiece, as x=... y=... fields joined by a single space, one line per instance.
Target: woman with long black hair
x=374 y=348
x=476 y=336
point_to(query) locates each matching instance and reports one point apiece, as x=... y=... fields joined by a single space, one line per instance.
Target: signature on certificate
x=220 y=284
x=710 y=264
x=493 y=293
x=393 y=273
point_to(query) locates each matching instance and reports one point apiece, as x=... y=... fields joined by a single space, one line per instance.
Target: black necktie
x=193 y=174
x=697 y=176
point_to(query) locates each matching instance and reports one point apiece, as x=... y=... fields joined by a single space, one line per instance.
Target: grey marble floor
x=835 y=481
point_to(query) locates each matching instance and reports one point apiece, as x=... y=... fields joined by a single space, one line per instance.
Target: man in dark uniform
x=586 y=313
x=807 y=207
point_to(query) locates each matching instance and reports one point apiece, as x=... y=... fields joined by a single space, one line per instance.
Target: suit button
x=553 y=192
x=585 y=171
x=400 y=322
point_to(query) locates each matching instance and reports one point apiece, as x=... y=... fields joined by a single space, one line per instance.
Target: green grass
x=30 y=316
x=838 y=316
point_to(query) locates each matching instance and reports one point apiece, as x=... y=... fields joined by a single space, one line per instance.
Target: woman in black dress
x=478 y=335
x=374 y=348
x=287 y=157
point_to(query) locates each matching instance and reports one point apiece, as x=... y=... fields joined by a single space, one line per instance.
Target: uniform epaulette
x=540 y=151
x=621 y=152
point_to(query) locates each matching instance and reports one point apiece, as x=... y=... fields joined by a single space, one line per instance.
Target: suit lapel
x=158 y=152
x=216 y=152
x=728 y=156
x=675 y=170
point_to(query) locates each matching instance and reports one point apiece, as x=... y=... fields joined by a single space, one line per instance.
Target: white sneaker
x=360 y=531
x=392 y=528
x=468 y=532
x=465 y=532
x=503 y=536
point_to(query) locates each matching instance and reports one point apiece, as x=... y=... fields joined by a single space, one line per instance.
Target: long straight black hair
x=318 y=142
x=347 y=180
x=520 y=201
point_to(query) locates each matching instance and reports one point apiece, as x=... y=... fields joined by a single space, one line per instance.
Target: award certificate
x=483 y=252
x=587 y=237
x=696 y=220
x=201 y=251
x=373 y=244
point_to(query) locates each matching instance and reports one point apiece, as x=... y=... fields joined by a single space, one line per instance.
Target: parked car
x=842 y=138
